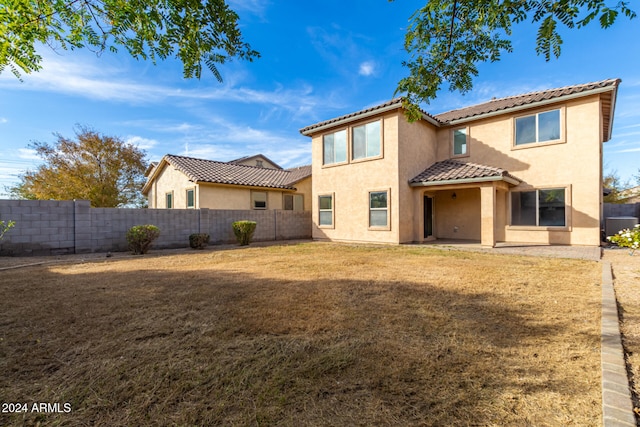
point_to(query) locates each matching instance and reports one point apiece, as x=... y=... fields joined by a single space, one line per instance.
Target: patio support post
x=488 y=216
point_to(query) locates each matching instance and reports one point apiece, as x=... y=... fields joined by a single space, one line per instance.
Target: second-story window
x=460 y=142
x=334 y=146
x=367 y=140
x=540 y=127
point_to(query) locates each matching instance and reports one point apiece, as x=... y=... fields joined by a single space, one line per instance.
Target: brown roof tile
x=202 y=170
x=494 y=105
x=455 y=170
x=520 y=100
x=396 y=102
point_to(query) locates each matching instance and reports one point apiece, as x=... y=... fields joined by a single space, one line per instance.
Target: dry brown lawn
x=304 y=335
x=626 y=274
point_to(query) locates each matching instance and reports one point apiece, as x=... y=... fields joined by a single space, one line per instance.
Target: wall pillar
x=82 y=226
x=488 y=216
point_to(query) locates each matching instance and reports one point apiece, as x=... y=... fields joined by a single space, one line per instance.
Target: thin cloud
x=78 y=77
x=27 y=154
x=367 y=68
x=141 y=142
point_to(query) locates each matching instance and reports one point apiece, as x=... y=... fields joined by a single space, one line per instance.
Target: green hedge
x=140 y=237
x=244 y=231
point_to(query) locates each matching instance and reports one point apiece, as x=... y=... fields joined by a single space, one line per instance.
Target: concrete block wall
x=621 y=209
x=42 y=227
x=58 y=227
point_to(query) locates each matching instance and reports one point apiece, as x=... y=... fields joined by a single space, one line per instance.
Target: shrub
x=627 y=238
x=140 y=237
x=244 y=231
x=198 y=240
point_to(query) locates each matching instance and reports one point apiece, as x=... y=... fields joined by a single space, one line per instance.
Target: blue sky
x=319 y=60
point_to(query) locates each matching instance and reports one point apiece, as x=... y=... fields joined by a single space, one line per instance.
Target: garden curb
x=617 y=406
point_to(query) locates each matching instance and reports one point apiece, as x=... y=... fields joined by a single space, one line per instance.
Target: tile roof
x=202 y=170
x=450 y=171
x=389 y=105
x=522 y=100
x=494 y=105
x=255 y=156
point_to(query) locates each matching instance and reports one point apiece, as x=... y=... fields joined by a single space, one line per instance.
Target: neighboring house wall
x=169 y=180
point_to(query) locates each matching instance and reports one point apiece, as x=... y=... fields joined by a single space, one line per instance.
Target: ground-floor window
x=293 y=202
x=169 y=200
x=378 y=209
x=543 y=208
x=191 y=198
x=258 y=200
x=325 y=207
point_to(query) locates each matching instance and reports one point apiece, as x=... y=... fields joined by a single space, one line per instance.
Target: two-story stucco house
x=252 y=182
x=525 y=168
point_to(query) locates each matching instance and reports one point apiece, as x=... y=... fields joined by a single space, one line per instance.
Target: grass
x=308 y=334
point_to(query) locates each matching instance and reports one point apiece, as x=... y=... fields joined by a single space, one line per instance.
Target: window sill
x=537 y=144
x=387 y=228
x=538 y=228
x=333 y=165
x=367 y=159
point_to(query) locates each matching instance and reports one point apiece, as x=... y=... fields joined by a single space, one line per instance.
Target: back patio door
x=428 y=216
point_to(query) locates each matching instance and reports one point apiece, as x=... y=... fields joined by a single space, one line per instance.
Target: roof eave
x=596 y=91
x=614 y=95
x=147 y=185
x=505 y=178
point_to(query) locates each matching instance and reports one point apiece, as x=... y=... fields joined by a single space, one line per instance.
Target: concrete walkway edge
x=617 y=406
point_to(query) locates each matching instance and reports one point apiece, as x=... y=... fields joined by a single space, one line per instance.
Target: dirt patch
x=307 y=334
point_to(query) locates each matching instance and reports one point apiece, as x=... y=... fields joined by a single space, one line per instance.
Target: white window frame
x=466 y=143
x=537 y=141
x=193 y=190
x=386 y=209
x=331 y=210
x=335 y=161
x=169 y=200
x=366 y=142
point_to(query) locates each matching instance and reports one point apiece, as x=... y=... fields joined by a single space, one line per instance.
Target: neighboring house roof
x=202 y=170
x=256 y=156
x=630 y=195
x=456 y=172
x=494 y=107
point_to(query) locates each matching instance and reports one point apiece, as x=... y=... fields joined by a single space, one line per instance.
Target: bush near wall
x=244 y=231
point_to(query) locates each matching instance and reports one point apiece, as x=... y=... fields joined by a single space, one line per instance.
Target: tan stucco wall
x=573 y=163
x=457 y=218
x=418 y=150
x=169 y=179
x=215 y=196
x=304 y=187
x=351 y=183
